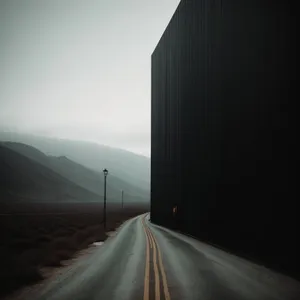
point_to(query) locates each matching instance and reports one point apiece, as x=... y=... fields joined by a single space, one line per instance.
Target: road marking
x=147 y=268
x=164 y=277
x=156 y=271
x=150 y=241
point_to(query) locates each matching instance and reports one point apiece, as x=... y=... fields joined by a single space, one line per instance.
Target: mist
x=80 y=69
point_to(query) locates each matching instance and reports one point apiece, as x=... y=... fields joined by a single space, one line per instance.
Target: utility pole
x=122 y=200
x=105 y=172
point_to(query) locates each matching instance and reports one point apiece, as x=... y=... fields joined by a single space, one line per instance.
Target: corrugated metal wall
x=220 y=92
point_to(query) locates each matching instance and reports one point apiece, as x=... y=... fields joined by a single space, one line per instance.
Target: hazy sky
x=80 y=69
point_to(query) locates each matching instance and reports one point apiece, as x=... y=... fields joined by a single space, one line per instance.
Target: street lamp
x=105 y=172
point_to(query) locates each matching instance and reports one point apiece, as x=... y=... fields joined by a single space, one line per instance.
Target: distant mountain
x=22 y=179
x=86 y=178
x=128 y=167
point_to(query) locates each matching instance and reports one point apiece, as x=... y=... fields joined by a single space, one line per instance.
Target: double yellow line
x=151 y=244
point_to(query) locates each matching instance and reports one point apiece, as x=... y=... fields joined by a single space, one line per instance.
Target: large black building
x=220 y=136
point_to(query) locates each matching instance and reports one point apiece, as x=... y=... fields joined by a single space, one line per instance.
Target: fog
x=80 y=69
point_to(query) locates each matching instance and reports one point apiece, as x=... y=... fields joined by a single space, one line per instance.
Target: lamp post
x=105 y=172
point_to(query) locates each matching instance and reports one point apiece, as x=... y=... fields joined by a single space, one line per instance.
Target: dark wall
x=220 y=137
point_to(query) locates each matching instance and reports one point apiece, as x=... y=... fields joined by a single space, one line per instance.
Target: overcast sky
x=80 y=69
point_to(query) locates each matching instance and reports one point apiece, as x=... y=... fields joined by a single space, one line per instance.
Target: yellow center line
x=147 y=268
x=156 y=271
x=164 y=278
x=149 y=238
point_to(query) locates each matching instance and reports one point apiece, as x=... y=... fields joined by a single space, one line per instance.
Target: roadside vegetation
x=35 y=236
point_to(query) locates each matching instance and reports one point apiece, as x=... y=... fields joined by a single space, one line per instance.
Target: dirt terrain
x=35 y=236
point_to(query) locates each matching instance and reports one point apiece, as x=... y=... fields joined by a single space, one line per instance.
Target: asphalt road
x=146 y=262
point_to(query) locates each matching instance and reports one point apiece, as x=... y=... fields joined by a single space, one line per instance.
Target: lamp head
x=105 y=172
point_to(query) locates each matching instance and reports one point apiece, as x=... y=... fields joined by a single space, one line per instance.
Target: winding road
x=148 y=262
